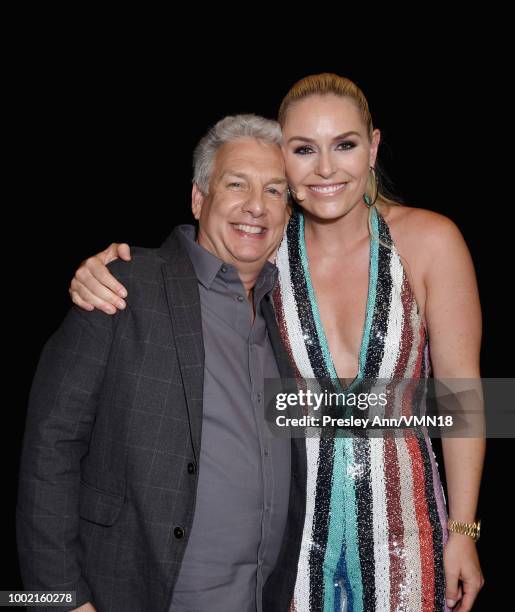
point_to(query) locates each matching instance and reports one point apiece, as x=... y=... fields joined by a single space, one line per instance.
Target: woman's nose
x=325 y=167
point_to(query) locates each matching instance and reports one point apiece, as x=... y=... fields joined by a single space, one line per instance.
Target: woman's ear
x=374 y=146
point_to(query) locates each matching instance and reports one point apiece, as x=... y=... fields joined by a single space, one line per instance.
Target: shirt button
x=240 y=298
x=178 y=533
x=192 y=468
x=259 y=397
x=267 y=452
x=223 y=268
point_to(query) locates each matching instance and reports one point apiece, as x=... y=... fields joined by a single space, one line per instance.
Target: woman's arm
x=453 y=316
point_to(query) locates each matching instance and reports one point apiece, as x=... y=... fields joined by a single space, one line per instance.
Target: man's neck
x=248 y=279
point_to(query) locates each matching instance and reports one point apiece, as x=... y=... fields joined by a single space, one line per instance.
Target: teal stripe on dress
x=344 y=453
x=314 y=306
x=372 y=290
x=343 y=518
x=343 y=531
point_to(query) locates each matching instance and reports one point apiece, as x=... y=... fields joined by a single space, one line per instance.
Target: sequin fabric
x=375 y=523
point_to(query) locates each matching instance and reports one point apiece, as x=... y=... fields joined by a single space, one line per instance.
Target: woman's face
x=328 y=154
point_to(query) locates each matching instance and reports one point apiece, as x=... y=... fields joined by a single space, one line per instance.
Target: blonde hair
x=329 y=83
x=323 y=84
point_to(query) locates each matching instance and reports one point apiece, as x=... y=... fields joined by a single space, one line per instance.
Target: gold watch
x=469 y=529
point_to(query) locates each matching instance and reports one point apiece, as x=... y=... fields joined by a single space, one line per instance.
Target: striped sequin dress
x=375 y=524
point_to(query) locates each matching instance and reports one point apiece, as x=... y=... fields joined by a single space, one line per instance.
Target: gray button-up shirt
x=244 y=471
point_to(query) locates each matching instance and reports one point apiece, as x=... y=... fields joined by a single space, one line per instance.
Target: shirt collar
x=207 y=266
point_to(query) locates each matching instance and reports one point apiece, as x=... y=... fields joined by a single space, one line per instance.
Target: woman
x=363 y=285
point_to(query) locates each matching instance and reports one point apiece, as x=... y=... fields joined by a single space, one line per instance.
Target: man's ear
x=197 y=200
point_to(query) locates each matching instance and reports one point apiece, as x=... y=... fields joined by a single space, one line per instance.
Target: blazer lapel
x=183 y=299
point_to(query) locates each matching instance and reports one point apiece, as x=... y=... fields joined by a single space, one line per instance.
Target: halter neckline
x=369 y=311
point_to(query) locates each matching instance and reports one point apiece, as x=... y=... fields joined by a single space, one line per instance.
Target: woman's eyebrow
x=340 y=136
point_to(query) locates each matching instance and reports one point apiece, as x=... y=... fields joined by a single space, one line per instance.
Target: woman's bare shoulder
x=422 y=227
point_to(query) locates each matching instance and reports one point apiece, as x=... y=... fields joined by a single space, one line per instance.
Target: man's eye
x=303 y=150
x=234 y=184
x=274 y=191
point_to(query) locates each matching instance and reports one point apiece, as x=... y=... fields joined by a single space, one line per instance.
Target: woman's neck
x=338 y=236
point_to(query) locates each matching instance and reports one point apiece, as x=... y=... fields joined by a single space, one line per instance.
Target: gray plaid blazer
x=109 y=462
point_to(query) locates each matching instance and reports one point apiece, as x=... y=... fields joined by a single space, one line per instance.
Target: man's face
x=242 y=218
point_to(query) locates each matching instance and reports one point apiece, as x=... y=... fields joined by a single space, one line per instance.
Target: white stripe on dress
x=412 y=559
x=380 y=525
x=392 y=342
x=301 y=357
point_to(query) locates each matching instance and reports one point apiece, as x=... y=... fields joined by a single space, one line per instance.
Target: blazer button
x=192 y=468
x=178 y=532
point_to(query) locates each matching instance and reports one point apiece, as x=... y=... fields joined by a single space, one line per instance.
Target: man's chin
x=248 y=257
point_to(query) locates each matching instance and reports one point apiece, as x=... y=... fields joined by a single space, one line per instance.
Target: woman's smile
x=327 y=190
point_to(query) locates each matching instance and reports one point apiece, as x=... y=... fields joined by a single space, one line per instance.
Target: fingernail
x=120 y=304
x=122 y=293
x=110 y=309
x=451 y=602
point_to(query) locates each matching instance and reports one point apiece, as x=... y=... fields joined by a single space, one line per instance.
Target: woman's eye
x=346 y=145
x=303 y=150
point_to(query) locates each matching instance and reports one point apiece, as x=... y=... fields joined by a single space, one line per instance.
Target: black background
x=104 y=122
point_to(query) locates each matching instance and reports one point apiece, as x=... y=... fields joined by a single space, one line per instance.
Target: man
x=149 y=481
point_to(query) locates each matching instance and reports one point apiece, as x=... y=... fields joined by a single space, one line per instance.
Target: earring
x=366 y=198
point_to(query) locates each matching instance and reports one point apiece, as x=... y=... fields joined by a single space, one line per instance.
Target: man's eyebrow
x=242 y=175
x=339 y=137
x=231 y=173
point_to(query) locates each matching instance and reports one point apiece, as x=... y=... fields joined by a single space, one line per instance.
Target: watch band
x=469 y=529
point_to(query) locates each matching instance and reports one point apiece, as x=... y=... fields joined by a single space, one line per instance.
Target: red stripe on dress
x=393 y=490
x=283 y=331
x=425 y=531
x=407 y=331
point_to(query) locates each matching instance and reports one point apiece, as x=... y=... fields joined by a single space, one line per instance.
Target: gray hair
x=230 y=129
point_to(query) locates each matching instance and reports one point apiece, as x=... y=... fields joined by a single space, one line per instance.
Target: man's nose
x=254 y=204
